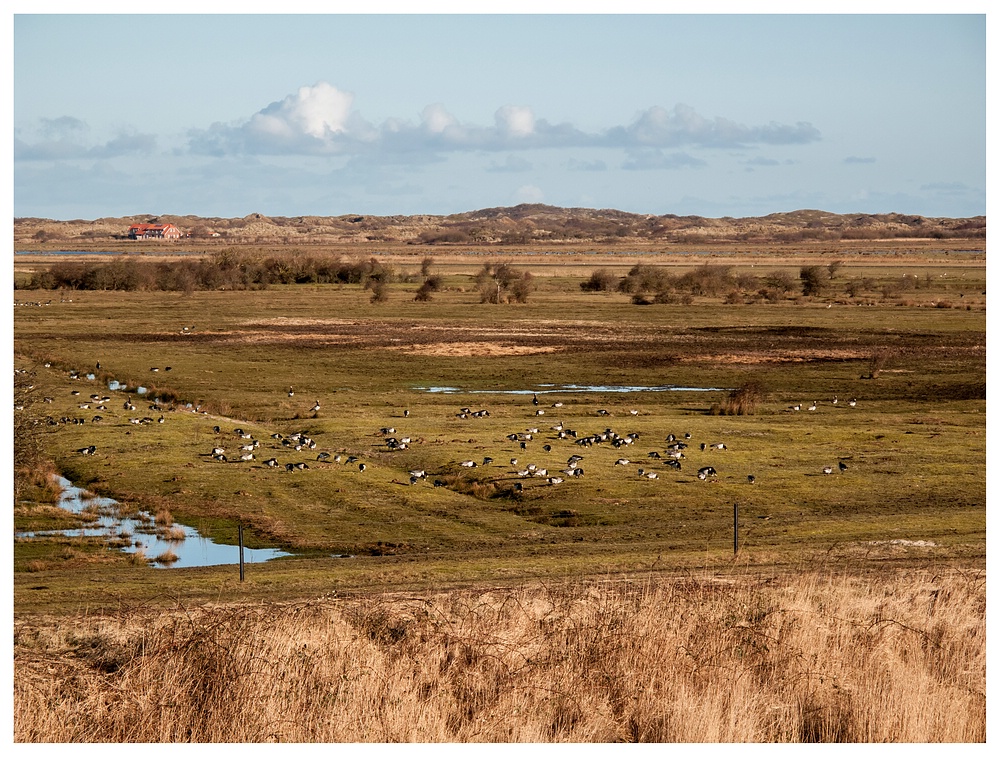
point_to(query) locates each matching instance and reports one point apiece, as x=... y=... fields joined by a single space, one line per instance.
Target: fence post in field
x=241 y=551
x=736 y=524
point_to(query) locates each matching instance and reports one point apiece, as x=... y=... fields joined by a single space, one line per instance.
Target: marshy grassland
x=451 y=591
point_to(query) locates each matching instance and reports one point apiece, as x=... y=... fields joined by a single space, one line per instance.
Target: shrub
x=743 y=400
x=812 y=280
x=502 y=283
x=601 y=280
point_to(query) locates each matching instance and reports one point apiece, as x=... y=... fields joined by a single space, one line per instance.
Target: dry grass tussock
x=897 y=657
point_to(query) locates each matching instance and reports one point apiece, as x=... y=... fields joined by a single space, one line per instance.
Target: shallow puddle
x=569 y=389
x=138 y=534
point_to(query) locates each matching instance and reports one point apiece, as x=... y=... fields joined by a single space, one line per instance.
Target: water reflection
x=569 y=389
x=176 y=547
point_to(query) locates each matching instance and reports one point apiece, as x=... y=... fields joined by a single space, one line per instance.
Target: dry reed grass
x=893 y=657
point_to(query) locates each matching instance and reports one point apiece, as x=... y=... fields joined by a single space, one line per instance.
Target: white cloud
x=529 y=193
x=515 y=121
x=320 y=120
x=436 y=119
x=317 y=111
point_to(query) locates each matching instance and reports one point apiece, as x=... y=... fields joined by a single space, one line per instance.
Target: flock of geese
x=672 y=454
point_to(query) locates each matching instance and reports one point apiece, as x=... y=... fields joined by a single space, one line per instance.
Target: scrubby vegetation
x=810 y=657
x=227 y=269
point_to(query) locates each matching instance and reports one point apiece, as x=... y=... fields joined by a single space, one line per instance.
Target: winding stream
x=139 y=534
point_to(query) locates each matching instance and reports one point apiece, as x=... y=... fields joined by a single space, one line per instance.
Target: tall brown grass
x=815 y=657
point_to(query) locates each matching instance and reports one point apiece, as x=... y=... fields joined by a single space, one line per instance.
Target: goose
x=828 y=469
x=813 y=405
x=87 y=450
x=707 y=471
x=323 y=456
x=622 y=461
x=291 y=392
x=853 y=402
x=751 y=479
x=247 y=457
x=468 y=464
x=272 y=463
x=842 y=465
x=315 y=408
x=534 y=399
x=553 y=480
x=216 y=451
x=361 y=467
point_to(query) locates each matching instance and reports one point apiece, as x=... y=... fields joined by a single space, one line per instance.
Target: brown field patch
x=759 y=357
x=472 y=349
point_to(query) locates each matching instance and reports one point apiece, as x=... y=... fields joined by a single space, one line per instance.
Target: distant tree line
x=651 y=284
x=226 y=269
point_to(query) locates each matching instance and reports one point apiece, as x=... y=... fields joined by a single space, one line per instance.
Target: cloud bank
x=320 y=120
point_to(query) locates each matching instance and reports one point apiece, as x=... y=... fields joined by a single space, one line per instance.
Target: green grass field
x=914 y=444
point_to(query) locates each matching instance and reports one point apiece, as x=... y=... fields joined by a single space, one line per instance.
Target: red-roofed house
x=153 y=231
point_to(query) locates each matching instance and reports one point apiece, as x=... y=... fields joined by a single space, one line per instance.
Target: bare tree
x=502 y=283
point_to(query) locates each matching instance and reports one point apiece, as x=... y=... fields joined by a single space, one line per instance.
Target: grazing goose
x=751 y=479
x=842 y=465
x=707 y=471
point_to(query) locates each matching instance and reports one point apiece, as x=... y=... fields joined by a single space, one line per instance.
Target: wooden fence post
x=736 y=525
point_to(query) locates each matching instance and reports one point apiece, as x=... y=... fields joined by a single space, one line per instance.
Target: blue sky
x=304 y=114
